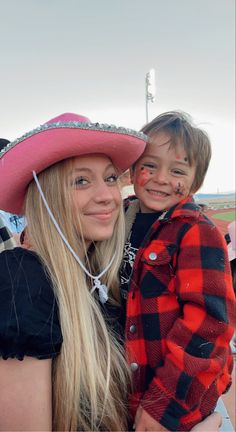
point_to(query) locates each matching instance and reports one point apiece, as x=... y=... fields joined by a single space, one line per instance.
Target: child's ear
x=193 y=191
x=131 y=173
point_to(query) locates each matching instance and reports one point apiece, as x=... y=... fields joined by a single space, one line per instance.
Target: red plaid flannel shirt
x=180 y=318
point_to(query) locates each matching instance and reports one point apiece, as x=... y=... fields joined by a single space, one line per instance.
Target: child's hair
x=196 y=143
x=90 y=376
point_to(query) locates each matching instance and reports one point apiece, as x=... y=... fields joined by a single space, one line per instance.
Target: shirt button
x=133 y=367
x=153 y=256
x=132 y=329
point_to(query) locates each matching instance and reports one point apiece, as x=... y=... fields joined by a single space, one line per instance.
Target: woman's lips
x=106 y=215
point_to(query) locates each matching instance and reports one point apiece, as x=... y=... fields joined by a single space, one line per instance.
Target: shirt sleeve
x=29 y=323
x=198 y=353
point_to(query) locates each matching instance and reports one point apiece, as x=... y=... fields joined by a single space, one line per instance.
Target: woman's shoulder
x=16 y=255
x=29 y=323
x=21 y=269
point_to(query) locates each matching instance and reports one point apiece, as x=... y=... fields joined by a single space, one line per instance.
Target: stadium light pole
x=150 y=89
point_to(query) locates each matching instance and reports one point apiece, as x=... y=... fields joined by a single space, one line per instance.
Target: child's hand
x=211 y=423
x=144 y=422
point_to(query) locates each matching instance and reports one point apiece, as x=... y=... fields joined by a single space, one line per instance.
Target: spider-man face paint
x=179 y=189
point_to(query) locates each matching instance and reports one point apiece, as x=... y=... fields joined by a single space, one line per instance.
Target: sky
x=91 y=57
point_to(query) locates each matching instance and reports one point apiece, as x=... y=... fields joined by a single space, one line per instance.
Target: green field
x=229 y=216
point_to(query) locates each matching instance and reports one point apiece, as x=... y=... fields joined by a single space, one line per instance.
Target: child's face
x=162 y=176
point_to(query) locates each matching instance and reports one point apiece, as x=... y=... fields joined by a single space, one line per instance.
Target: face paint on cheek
x=143 y=176
x=180 y=189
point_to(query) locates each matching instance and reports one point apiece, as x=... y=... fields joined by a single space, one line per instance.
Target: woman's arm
x=25 y=395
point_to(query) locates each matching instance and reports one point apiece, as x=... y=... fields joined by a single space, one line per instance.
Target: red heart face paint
x=143 y=176
x=178 y=157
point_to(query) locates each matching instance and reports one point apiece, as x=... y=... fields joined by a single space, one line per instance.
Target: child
x=177 y=281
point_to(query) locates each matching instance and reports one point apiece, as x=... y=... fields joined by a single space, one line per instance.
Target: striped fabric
x=181 y=313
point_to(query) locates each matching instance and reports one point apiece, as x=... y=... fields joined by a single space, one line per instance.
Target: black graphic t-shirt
x=141 y=225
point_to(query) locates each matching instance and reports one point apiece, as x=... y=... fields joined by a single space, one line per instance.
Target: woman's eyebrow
x=89 y=170
x=80 y=169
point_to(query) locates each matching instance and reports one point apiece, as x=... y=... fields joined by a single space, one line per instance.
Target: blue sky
x=91 y=57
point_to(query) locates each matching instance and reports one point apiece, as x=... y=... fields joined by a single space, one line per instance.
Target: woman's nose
x=103 y=192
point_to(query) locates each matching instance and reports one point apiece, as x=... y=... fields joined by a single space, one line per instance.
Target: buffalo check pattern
x=181 y=313
x=6 y=239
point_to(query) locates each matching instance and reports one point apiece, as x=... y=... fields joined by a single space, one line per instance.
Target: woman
x=46 y=297
x=59 y=299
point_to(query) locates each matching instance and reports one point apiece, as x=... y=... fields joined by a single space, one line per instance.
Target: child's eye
x=149 y=165
x=80 y=181
x=178 y=172
x=112 y=178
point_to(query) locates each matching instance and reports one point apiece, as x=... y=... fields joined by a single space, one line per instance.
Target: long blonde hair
x=90 y=376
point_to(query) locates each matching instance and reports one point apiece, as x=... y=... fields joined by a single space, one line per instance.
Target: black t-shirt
x=29 y=321
x=141 y=225
x=29 y=317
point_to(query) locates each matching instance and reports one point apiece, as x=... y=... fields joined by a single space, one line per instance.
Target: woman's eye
x=79 y=181
x=112 y=178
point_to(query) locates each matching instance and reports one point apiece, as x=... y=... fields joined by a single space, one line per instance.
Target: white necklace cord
x=102 y=289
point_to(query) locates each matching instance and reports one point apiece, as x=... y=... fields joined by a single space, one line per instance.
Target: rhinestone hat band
x=74 y=125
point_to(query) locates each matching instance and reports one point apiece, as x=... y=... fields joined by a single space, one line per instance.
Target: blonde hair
x=195 y=141
x=90 y=376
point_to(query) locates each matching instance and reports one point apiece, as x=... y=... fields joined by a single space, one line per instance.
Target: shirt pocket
x=157 y=269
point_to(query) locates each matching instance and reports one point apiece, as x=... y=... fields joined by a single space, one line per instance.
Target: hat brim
x=47 y=147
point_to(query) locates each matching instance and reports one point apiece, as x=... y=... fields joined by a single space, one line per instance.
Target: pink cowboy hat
x=232 y=244
x=65 y=136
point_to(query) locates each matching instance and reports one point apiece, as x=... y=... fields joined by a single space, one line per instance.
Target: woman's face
x=96 y=196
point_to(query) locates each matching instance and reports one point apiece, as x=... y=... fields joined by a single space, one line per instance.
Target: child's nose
x=161 y=176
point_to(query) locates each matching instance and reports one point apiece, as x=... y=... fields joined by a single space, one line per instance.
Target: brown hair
x=195 y=141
